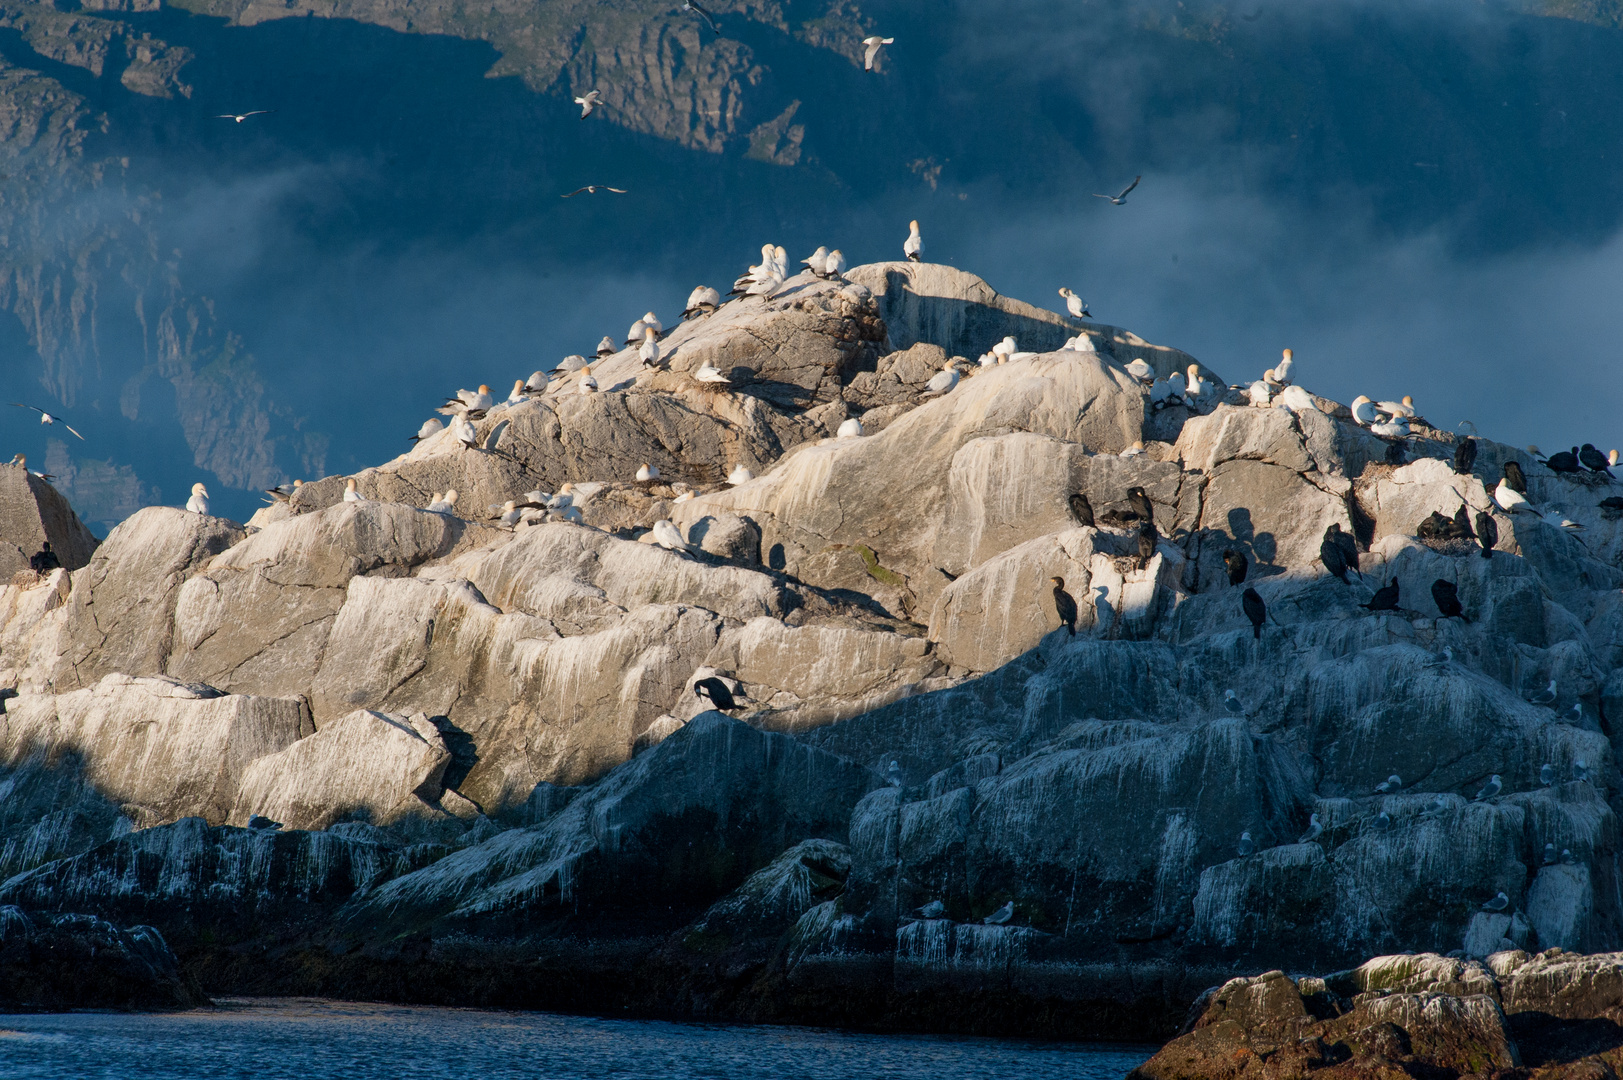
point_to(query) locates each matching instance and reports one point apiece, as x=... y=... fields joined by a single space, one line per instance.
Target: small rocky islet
x=357 y=748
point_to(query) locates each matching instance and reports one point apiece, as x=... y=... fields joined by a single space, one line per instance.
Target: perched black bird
x=1081 y=509
x=1434 y=527
x=1255 y=610
x=1563 y=461
x=1147 y=539
x=1140 y=504
x=1487 y=532
x=1333 y=558
x=1065 y=605
x=1460 y=527
x=1345 y=541
x=1385 y=598
x=255 y=821
x=1515 y=478
x=44 y=560
x=1237 y=566
x=716 y=692
x=1465 y=457
x=1447 y=597
x=1611 y=507
x=1594 y=460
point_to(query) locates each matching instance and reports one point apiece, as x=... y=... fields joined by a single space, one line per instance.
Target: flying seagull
x=47 y=418
x=591 y=101
x=1122 y=198
x=693 y=6
x=872 y=50
x=240 y=117
x=593 y=189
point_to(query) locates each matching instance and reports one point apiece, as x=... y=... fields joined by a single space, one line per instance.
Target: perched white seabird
x=1363 y=410
x=462 y=431
x=1197 y=388
x=816 y=261
x=1390 y=786
x=469 y=402
x=669 y=537
x=1281 y=374
x=834 y=266
x=1314 y=830
x=350 y=494
x=1140 y=369
x=1396 y=428
x=1177 y=384
x=850 y=429
x=913 y=246
x=684 y=496
x=650 y=347
x=872 y=49
x=1160 y=393
x=1397 y=409
x=537 y=382
x=1294 y=397
x=589 y=103
x=1005 y=348
x=606 y=347
x=941 y=382
x=1136 y=450
x=740 y=475
x=443 y=504
x=646 y=473
x=429 y=429
x=1001 y=915
x=1493 y=787
x=47 y=418
x=709 y=373
x=635 y=335
x=520 y=393
x=1499 y=903
x=511 y=515
x=1510 y=500
x=1555 y=518
x=1077 y=306
x=587 y=384
x=1246 y=846
x=1260 y=393
x=1083 y=343
x=988 y=359
x=765 y=285
x=701 y=301
x=199 y=502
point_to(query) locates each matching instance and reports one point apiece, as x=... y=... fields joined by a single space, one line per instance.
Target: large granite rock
x=32 y=514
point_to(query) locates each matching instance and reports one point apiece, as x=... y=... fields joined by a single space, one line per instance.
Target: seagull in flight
x=872 y=50
x=593 y=189
x=591 y=101
x=47 y=418
x=240 y=117
x=1122 y=198
x=693 y=6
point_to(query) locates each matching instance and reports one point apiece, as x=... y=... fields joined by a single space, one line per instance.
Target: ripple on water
x=311 y=1039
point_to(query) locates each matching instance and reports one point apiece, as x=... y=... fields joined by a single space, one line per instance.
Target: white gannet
x=987 y=359
x=1197 y=388
x=1556 y=518
x=941 y=382
x=709 y=373
x=239 y=117
x=872 y=49
x=537 y=382
x=693 y=6
x=469 y=402
x=279 y=493
x=1294 y=397
x=1015 y=357
x=913 y=246
x=780 y=261
x=1122 y=198
x=199 y=502
x=650 y=319
x=1396 y=409
x=1136 y=450
x=520 y=393
x=1396 y=428
x=1260 y=394
x=685 y=496
x=589 y=103
x=1005 y=348
x=443 y=504
x=650 y=347
x=850 y=429
x=564 y=497
x=462 y=431
x=1140 y=369
x=646 y=472
x=429 y=429
x=1363 y=410
x=1160 y=393
x=834 y=266
x=740 y=475
x=606 y=347
x=816 y=261
x=1510 y=500
x=592 y=189
x=1077 y=306
x=47 y=418
x=1083 y=343
x=635 y=335
x=511 y=515
x=669 y=537
x=701 y=301
x=587 y=384
x=350 y=494
x=1176 y=385
x=765 y=285
x=1282 y=371
x=1611 y=458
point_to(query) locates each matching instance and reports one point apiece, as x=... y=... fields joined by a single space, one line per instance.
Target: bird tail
x=1256 y=631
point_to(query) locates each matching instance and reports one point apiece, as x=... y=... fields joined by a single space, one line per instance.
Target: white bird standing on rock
x=199 y=502
x=816 y=261
x=1396 y=409
x=650 y=347
x=1140 y=369
x=350 y=494
x=740 y=475
x=913 y=246
x=1363 y=410
x=587 y=384
x=635 y=335
x=646 y=473
x=988 y=359
x=1511 y=501
x=606 y=348
x=701 y=301
x=443 y=504
x=850 y=429
x=463 y=432
x=1314 y=830
x=1281 y=373
x=520 y=393
x=669 y=537
x=429 y=429
x=650 y=319
x=1075 y=305
x=1136 y=450
x=1294 y=397
x=709 y=373
x=1492 y=788
x=469 y=401
x=1197 y=388
x=834 y=267
x=1001 y=915
x=1395 y=428
x=1260 y=393
x=872 y=49
x=537 y=382
x=941 y=382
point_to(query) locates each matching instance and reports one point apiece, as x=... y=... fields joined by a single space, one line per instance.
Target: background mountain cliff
x=1420 y=199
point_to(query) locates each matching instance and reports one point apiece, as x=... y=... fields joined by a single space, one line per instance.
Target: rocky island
x=356 y=747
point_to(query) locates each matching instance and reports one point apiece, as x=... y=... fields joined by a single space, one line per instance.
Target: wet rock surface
x=54 y=962
x=822 y=750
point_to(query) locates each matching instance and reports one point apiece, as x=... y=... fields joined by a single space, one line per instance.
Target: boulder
x=32 y=514
x=58 y=963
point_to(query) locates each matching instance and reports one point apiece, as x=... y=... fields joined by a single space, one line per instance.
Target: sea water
x=307 y=1039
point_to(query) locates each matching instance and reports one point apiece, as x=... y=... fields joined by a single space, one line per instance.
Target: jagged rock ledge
x=69 y=961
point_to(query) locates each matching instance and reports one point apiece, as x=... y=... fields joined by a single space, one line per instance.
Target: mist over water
x=1417 y=199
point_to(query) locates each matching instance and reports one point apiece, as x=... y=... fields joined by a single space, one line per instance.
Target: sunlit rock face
x=826 y=722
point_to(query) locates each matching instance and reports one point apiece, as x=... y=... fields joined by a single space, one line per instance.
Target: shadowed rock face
x=80 y=961
x=32 y=514
x=493 y=769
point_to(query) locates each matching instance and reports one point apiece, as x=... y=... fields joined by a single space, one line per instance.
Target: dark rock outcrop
x=54 y=962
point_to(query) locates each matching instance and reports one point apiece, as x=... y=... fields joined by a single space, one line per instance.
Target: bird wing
x=1131 y=186
x=705 y=15
x=577 y=191
x=36 y=408
x=868 y=54
x=70 y=427
x=616 y=190
x=1096 y=195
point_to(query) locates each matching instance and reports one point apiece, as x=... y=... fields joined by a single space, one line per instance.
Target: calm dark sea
x=305 y=1039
